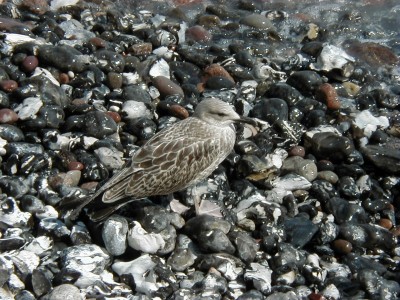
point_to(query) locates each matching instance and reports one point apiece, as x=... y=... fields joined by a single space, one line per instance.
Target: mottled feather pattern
x=177 y=157
x=172 y=160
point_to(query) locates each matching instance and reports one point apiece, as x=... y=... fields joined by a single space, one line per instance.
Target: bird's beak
x=247 y=120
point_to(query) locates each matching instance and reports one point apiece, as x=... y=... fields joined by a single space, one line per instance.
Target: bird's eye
x=221 y=114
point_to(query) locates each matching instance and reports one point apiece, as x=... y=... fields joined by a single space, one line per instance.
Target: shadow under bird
x=174 y=159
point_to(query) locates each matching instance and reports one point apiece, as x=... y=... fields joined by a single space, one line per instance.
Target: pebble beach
x=307 y=205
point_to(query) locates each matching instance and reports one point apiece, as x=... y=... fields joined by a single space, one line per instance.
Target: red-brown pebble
x=141 y=49
x=8 y=24
x=198 y=34
x=326 y=93
x=63 y=78
x=8 y=85
x=395 y=230
x=75 y=166
x=30 y=63
x=217 y=70
x=115 y=116
x=385 y=223
x=297 y=151
x=342 y=246
x=36 y=6
x=98 y=42
x=179 y=111
x=166 y=86
x=373 y=54
x=8 y=116
x=314 y=296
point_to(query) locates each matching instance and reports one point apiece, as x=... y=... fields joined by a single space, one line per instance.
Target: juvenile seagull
x=175 y=158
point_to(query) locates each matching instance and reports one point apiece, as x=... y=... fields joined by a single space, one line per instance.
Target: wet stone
x=323 y=190
x=85 y=258
x=166 y=86
x=345 y=211
x=136 y=93
x=299 y=231
x=348 y=188
x=99 y=124
x=368 y=236
x=270 y=110
x=40 y=283
x=284 y=91
x=8 y=85
x=373 y=54
x=8 y=116
x=221 y=11
x=218 y=83
x=181 y=259
x=329 y=176
x=384 y=158
x=305 y=81
x=257 y=21
x=13 y=186
x=327 y=94
x=342 y=246
x=29 y=64
x=198 y=33
x=114 y=80
x=80 y=234
x=109 y=61
x=378 y=286
x=11 y=133
x=114 y=235
x=11 y=243
x=329 y=145
x=246 y=246
x=300 y=166
x=63 y=57
x=54 y=228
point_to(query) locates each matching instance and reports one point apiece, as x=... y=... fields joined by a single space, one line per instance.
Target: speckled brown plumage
x=172 y=160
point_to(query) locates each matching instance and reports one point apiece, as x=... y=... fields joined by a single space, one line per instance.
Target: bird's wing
x=164 y=167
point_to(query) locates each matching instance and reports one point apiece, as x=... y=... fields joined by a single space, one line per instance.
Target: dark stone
x=368 y=236
x=305 y=81
x=343 y=211
x=382 y=157
x=219 y=82
x=299 y=231
x=144 y=128
x=13 y=186
x=110 y=61
x=99 y=124
x=40 y=283
x=348 y=188
x=270 y=110
x=11 y=133
x=63 y=57
x=136 y=93
x=246 y=246
x=284 y=91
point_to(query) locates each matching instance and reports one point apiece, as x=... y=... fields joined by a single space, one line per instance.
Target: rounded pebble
x=167 y=87
x=328 y=95
x=8 y=85
x=198 y=34
x=30 y=63
x=8 y=116
x=342 y=246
